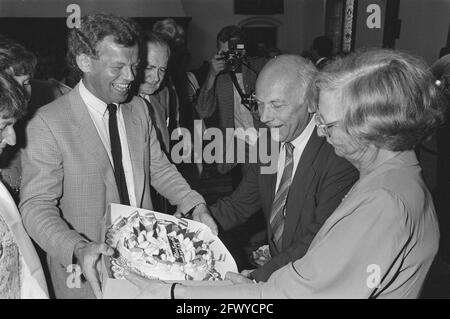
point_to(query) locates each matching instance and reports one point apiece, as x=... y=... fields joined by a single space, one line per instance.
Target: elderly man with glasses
x=310 y=181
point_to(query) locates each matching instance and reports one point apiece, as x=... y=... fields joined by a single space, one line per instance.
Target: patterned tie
x=116 y=152
x=279 y=204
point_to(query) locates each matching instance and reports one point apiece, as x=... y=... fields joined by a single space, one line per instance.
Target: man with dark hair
x=229 y=32
x=91 y=147
x=322 y=50
x=220 y=92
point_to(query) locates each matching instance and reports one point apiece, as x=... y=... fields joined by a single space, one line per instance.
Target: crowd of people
x=347 y=197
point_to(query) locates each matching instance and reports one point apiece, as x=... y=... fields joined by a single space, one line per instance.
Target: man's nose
x=10 y=137
x=265 y=114
x=128 y=74
x=157 y=75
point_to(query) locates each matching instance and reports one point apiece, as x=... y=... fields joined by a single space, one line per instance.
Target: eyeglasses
x=322 y=127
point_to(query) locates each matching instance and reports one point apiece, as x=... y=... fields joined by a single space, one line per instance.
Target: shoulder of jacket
x=56 y=107
x=138 y=105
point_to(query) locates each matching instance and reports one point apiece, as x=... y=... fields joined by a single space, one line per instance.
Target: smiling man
x=91 y=147
x=155 y=56
x=310 y=181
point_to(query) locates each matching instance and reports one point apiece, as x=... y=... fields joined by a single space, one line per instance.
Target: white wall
x=425 y=25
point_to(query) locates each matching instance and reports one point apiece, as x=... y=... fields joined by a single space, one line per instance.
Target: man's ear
x=84 y=62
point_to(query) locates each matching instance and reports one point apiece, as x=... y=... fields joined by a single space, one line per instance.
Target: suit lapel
x=249 y=80
x=300 y=186
x=229 y=88
x=157 y=113
x=92 y=142
x=135 y=138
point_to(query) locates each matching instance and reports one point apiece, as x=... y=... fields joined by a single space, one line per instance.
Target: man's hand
x=217 y=64
x=247 y=273
x=88 y=256
x=149 y=289
x=237 y=278
x=201 y=214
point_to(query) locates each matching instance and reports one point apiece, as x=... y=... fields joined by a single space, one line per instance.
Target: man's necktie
x=279 y=204
x=116 y=152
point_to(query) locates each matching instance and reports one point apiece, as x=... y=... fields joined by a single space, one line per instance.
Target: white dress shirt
x=100 y=116
x=299 y=146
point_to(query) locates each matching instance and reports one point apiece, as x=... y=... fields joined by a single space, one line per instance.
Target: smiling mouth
x=121 y=87
x=276 y=126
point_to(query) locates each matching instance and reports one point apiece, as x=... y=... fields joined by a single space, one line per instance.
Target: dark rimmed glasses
x=322 y=126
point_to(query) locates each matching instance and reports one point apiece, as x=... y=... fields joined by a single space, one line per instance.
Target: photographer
x=231 y=77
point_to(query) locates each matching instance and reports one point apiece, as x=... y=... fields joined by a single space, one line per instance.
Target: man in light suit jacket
x=70 y=166
x=286 y=98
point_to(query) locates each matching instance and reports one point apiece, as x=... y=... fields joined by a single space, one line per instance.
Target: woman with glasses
x=21 y=274
x=20 y=64
x=373 y=108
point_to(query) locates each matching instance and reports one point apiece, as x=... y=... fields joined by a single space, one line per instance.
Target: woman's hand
x=237 y=278
x=149 y=289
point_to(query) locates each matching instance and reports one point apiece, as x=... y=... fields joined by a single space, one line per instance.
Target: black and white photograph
x=225 y=149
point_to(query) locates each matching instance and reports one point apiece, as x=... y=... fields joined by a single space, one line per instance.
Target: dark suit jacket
x=158 y=108
x=320 y=182
x=221 y=99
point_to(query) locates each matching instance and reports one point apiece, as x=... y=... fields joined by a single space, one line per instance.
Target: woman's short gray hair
x=389 y=98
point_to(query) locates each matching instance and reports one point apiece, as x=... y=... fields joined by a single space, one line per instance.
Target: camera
x=249 y=101
x=235 y=55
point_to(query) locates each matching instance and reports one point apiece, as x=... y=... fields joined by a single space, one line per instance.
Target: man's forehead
x=108 y=46
x=276 y=80
x=156 y=48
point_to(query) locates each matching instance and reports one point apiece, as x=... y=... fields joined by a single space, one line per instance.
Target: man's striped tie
x=279 y=204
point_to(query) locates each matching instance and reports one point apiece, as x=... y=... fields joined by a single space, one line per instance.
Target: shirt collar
x=145 y=96
x=304 y=136
x=92 y=101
